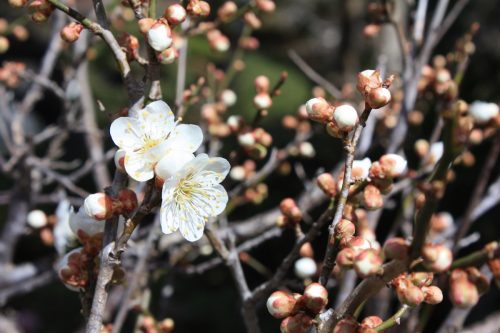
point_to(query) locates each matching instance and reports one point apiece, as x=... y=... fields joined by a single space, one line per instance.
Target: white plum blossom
x=192 y=195
x=482 y=112
x=150 y=135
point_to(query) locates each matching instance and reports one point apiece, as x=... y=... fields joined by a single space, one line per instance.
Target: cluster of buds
x=466 y=285
x=374 y=90
x=101 y=206
x=438 y=79
x=414 y=288
x=131 y=45
x=350 y=325
x=255 y=142
x=291 y=213
x=436 y=257
x=10 y=73
x=71 y=32
x=296 y=310
x=357 y=252
x=40 y=10
x=244 y=171
x=262 y=100
x=486 y=117
x=339 y=120
x=42 y=224
x=149 y=324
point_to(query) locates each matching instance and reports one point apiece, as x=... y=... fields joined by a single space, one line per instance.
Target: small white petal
x=126 y=133
x=186 y=137
x=138 y=167
x=192 y=230
x=172 y=163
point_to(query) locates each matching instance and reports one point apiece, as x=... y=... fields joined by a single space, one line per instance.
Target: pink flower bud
x=372 y=198
x=367 y=80
x=392 y=165
x=315 y=297
x=71 y=32
x=252 y=20
x=266 y=6
x=262 y=84
x=160 y=36
x=437 y=258
x=344 y=229
x=327 y=184
x=462 y=292
x=345 y=258
x=167 y=56
x=345 y=117
x=299 y=323
x=432 y=295
x=218 y=41
x=396 y=248
x=346 y=325
x=175 y=14
x=367 y=263
x=246 y=140
x=378 y=97
x=319 y=110
x=40 y=10
x=99 y=206
x=421 y=279
x=358 y=244
x=262 y=101
x=281 y=304
x=145 y=24
x=227 y=11
x=198 y=8
x=408 y=293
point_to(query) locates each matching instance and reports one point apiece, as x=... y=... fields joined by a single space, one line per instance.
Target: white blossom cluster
x=154 y=144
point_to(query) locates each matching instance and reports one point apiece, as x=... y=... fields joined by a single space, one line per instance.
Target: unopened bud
x=145 y=24
x=345 y=258
x=361 y=168
x=252 y=20
x=437 y=258
x=378 y=97
x=483 y=112
x=227 y=11
x=281 y=304
x=372 y=198
x=299 y=323
x=327 y=184
x=345 y=117
x=71 y=32
x=4 y=44
x=175 y=14
x=99 y=206
x=344 y=229
x=229 y=98
x=346 y=325
x=367 y=263
x=319 y=110
x=315 y=297
x=120 y=160
x=262 y=101
x=266 y=6
x=198 y=8
x=159 y=36
x=37 y=219
x=372 y=321
x=166 y=325
x=432 y=295
x=409 y=294
x=18 y=3
x=167 y=56
x=396 y=248
x=262 y=84
x=462 y=292
x=218 y=41
x=305 y=268
x=367 y=80
x=306 y=250
x=393 y=165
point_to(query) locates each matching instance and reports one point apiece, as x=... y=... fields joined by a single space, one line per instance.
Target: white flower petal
x=138 y=167
x=214 y=171
x=211 y=201
x=172 y=163
x=81 y=221
x=156 y=120
x=126 y=133
x=168 y=220
x=186 y=137
x=192 y=229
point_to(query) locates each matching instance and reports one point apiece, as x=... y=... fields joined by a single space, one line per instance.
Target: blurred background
x=328 y=35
